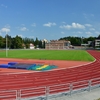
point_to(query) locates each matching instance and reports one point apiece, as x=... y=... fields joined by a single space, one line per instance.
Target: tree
x=9 y=41
x=36 y=43
x=76 y=41
x=40 y=44
x=43 y=44
x=27 y=45
x=1 y=42
x=98 y=37
x=18 y=42
x=91 y=38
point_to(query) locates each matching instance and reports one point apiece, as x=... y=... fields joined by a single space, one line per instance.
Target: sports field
x=73 y=55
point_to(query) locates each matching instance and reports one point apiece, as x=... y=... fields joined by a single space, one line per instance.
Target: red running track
x=49 y=78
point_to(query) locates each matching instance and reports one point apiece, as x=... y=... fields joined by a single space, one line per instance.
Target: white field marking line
x=82 y=64
x=17 y=73
x=53 y=69
x=48 y=70
x=77 y=65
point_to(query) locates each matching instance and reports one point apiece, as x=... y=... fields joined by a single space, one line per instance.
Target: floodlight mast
x=6 y=44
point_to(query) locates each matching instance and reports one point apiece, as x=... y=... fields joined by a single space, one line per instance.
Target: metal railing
x=8 y=94
x=43 y=93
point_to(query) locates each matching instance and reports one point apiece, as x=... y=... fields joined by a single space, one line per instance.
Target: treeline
x=77 y=41
x=19 y=43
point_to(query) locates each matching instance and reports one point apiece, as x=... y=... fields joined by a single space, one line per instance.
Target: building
x=45 y=40
x=32 y=46
x=58 y=44
x=24 y=46
x=97 y=43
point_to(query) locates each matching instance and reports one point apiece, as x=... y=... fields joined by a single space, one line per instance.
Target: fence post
x=71 y=88
x=18 y=94
x=89 y=85
x=47 y=92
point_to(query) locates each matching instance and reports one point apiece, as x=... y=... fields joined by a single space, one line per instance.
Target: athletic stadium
x=27 y=79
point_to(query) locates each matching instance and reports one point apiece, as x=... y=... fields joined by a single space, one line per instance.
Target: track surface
x=48 y=78
x=60 y=64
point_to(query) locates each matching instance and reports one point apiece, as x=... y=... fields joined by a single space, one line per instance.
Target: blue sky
x=50 y=19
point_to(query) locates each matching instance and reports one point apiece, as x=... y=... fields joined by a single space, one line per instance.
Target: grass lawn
x=78 y=55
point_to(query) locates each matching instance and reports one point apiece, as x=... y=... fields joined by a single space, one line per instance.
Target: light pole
x=6 y=44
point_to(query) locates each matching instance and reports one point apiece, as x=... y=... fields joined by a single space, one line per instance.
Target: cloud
x=2 y=5
x=75 y=35
x=92 y=29
x=98 y=33
x=23 y=29
x=88 y=17
x=34 y=25
x=79 y=32
x=62 y=32
x=92 y=15
x=20 y=35
x=4 y=30
x=22 y=24
x=31 y=36
x=49 y=24
x=88 y=25
x=64 y=22
x=88 y=33
x=73 y=26
x=7 y=26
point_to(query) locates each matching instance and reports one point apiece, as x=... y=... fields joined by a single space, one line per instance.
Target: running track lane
x=29 y=80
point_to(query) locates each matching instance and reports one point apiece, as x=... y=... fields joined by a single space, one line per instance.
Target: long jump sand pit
x=60 y=63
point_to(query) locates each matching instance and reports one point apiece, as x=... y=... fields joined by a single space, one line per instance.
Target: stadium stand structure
x=48 y=84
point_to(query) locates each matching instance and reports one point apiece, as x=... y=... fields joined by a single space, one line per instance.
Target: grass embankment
x=77 y=55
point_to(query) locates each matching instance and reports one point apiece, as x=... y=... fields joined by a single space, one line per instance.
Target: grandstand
x=48 y=84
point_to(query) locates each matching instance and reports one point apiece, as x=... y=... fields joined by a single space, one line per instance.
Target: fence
x=44 y=93
x=8 y=95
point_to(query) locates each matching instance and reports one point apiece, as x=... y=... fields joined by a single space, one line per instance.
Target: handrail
x=8 y=94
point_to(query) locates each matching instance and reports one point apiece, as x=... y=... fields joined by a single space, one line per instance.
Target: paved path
x=92 y=95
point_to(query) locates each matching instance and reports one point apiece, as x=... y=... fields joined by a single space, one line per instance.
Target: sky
x=50 y=19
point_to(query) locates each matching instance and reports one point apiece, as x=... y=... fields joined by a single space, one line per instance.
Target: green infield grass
x=76 y=55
